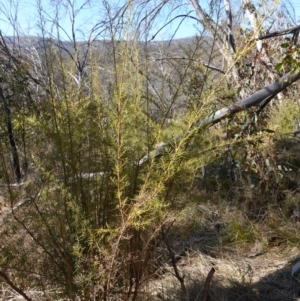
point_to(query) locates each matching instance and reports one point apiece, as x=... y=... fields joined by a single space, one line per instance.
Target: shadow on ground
x=247 y=274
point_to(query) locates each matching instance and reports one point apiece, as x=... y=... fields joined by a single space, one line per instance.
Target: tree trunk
x=14 y=150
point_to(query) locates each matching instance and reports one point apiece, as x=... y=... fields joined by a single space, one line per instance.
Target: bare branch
x=207 y=283
x=212 y=26
x=279 y=33
x=248 y=102
x=174 y=265
x=217 y=31
x=185 y=58
x=15 y=288
x=179 y=16
x=256 y=25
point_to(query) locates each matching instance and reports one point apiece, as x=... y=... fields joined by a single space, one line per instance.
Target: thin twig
x=174 y=265
x=207 y=284
x=19 y=291
x=279 y=33
x=186 y=58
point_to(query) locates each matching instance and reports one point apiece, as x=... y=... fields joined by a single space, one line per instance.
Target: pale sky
x=28 y=17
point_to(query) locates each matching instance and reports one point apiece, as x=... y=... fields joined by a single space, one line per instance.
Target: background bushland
x=102 y=145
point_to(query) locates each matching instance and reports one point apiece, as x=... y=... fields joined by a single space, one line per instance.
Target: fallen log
x=255 y=99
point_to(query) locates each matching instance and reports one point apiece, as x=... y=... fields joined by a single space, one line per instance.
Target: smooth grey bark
x=224 y=38
x=244 y=104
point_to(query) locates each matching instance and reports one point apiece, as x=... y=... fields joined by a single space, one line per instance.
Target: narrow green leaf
x=284 y=45
x=279 y=66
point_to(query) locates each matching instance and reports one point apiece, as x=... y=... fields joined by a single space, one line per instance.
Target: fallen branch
x=174 y=265
x=19 y=291
x=253 y=100
x=207 y=284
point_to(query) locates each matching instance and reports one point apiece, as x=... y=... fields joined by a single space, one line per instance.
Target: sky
x=89 y=15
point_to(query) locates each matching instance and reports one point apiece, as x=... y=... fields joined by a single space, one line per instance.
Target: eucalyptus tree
x=239 y=34
x=255 y=48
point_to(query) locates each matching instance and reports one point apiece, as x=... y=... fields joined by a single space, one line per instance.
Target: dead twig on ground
x=207 y=284
x=174 y=265
x=19 y=291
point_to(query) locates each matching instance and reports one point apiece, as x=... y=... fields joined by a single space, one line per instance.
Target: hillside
x=134 y=169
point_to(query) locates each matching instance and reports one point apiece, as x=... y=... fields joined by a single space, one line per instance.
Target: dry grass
x=252 y=251
x=252 y=257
